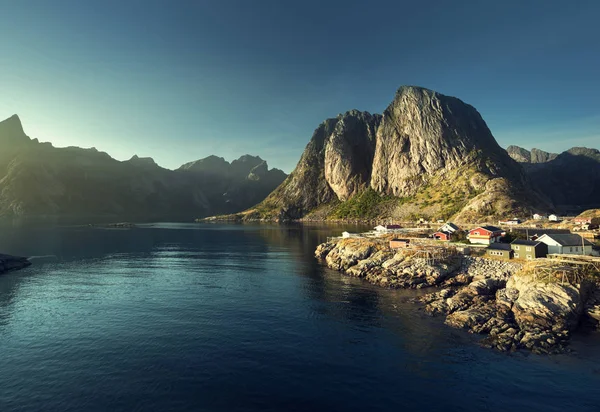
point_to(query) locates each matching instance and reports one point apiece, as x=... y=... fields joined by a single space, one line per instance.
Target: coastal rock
x=498 y=298
x=348 y=252
x=323 y=249
x=8 y=263
x=473 y=318
x=546 y=306
x=592 y=307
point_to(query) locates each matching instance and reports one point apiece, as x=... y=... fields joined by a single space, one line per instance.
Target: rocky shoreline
x=499 y=299
x=8 y=263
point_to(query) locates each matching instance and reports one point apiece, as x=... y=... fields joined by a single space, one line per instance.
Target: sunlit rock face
x=422 y=137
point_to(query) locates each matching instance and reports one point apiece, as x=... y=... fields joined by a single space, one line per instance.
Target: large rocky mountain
x=39 y=180
x=428 y=155
x=570 y=179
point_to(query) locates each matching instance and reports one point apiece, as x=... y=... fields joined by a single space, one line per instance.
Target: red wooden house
x=485 y=235
x=442 y=235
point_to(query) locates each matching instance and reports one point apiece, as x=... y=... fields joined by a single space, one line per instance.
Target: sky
x=181 y=80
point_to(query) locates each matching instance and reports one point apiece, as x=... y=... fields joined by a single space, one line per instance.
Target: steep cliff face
x=428 y=154
x=424 y=132
x=39 y=180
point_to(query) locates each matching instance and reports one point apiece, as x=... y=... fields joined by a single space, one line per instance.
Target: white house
x=553 y=218
x=566 y=244
x=387 y=228
x=449 y=228
x=538 y=217
x=510 y=222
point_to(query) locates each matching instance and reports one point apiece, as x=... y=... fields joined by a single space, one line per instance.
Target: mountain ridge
x=570 y=179
x=38 y=179
x=428 y=154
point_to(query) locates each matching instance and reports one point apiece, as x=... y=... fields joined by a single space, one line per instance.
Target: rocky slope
x=570 y=179
x=498 y=299
x=428 y=155
x=39 y=180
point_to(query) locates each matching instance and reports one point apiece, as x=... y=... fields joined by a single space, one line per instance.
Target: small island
x=8 y=263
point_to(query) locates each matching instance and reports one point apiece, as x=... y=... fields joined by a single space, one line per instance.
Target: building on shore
x=449 y=227
x=528 y=249
x=446 y=232
x=485 y=235
x=399 y=243
x=571 y=244
x=537 y=216
x=553 y=218
x=502 y=250
x=595 y=221
x=441 y=235
x=510 y=222
x=387 y=228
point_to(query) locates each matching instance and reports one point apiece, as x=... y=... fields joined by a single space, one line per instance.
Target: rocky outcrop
x=521 y=313
x=8 y=263
x=39 y=180
x=534 y=156
x=490 y=297
x=427 y=153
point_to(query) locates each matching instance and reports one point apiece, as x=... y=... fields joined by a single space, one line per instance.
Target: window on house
x=528 y=249
x=529 y=257
x=516 y=247
x=516 y=255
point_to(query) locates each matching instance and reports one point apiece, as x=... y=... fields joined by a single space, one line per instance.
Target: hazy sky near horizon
x=180 y=80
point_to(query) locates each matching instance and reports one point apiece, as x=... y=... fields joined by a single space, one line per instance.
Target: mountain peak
x=142 y=160
x=12 y=128
x=525 y=156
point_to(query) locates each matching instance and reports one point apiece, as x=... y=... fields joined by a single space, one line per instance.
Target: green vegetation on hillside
x=366 y=205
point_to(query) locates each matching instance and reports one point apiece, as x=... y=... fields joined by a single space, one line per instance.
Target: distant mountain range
x=428 y=155
x=570 y=179
x=39 y=180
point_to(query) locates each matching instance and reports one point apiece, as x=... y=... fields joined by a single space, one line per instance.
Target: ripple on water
x=232 y=317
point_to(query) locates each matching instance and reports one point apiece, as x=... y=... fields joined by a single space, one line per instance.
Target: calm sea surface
x=178 y=317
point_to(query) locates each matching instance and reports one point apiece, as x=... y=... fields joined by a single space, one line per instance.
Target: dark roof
x=524 y=242
x=492 y=228
x=568 y=240
x=499 y=246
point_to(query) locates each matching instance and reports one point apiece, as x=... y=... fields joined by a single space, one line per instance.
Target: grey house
x=528 y=249
x=500 y=250
x=566 y=244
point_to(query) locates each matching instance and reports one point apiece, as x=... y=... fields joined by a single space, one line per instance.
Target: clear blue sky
x=180 y=80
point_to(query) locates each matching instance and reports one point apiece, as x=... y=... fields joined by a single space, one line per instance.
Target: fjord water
x=186 y=317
